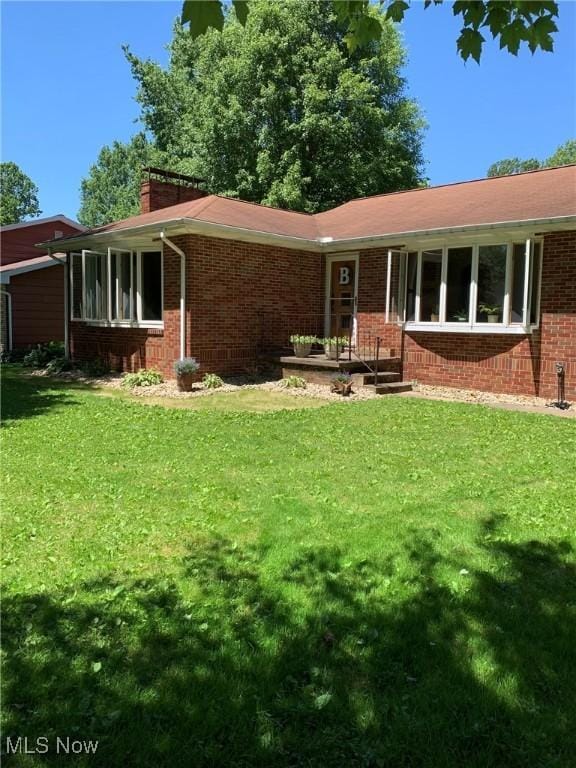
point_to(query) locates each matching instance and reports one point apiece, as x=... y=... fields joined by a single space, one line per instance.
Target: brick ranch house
x=470 y=284
x=32 y=285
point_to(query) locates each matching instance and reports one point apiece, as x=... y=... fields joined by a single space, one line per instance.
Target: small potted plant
x=341 y=383
x=461 y=316
x=492 y=312
x=332 y=346
x=434 y=315
x=186 y=370
x=302 y=344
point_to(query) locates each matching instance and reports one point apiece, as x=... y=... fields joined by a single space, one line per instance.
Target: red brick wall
x=244 y=299
x=156 y=194
x=241 y=299
x=37 y=306
x=496 y=363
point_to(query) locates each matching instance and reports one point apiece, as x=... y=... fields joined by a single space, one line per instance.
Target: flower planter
x=331 y=351
x=185 y=381
x=493 y=318
x=302 y=350
x=434 y=318
x=343 y=388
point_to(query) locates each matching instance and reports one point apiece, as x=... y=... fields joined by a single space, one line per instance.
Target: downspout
x=8 y=295
x=64 y=263
x=182 y=255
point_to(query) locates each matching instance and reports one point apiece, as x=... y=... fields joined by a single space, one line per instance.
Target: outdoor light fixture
x=560 y=402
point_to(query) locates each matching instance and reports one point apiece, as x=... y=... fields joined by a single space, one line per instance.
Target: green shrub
x=294 y=382
x=58 y=364
x=41 y=354
x=212 y=381
x=94 y=367
x=142 y=378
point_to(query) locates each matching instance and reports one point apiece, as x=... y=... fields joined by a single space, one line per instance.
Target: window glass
x=458 y=285
x=76 y=285
x=121 y=285
x=411 y=275
x=430 y=286
x=491 y=283
x=517 y=283
x=96 y=285
x=151 y=287
x=536 y=269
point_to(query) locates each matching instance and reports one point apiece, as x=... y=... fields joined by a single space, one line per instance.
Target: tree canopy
x=280 y=112
x=18 y=195
x=564 y=155
x=512 y=22
x=111 y=189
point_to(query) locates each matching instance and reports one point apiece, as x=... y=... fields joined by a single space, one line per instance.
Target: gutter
x=318 y=244
x=395 y=237
x=182 y=255
x=194 y=226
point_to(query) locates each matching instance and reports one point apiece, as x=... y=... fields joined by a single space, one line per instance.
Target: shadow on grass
x=27 y=396
x=326 y=663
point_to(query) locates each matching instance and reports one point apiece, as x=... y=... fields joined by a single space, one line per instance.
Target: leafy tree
x=18 y=195
x=564 y=155
x=513 y=22
x=112 y=188
x=513 y=165
x=280 y=113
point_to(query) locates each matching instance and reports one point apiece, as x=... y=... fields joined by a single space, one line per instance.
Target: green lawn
x=382 y=583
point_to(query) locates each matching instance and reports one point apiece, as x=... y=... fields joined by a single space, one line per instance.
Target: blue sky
x=67 y=90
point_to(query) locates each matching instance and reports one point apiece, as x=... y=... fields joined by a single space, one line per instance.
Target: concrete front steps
x=316 y=369
x=385 y=384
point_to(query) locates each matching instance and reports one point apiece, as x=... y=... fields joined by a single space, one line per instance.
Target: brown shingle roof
x=527 y=196
x=226 y=211
x=524 y=196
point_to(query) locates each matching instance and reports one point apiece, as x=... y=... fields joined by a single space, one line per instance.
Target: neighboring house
x=470 y=284
x=32 y=286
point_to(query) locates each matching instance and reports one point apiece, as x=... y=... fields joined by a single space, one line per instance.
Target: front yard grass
x=253 y=400
x=381 y=583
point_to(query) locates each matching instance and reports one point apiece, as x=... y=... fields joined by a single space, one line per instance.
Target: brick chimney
x=160 y=189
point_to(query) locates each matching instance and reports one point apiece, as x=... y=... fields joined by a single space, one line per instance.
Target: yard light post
x=560 y=401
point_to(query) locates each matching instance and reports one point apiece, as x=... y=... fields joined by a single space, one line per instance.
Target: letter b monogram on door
x=344 y=273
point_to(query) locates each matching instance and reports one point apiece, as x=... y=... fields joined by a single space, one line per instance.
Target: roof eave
x=184 y=225
x=190 y=226
x=550 y=224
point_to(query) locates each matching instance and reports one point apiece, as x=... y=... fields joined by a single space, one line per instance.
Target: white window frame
x=135 y=289
x=472 y=325
x=76 y=254
x=149 y=323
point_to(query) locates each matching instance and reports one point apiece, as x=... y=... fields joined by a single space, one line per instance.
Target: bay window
x=484 y=288
x=118 y=287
